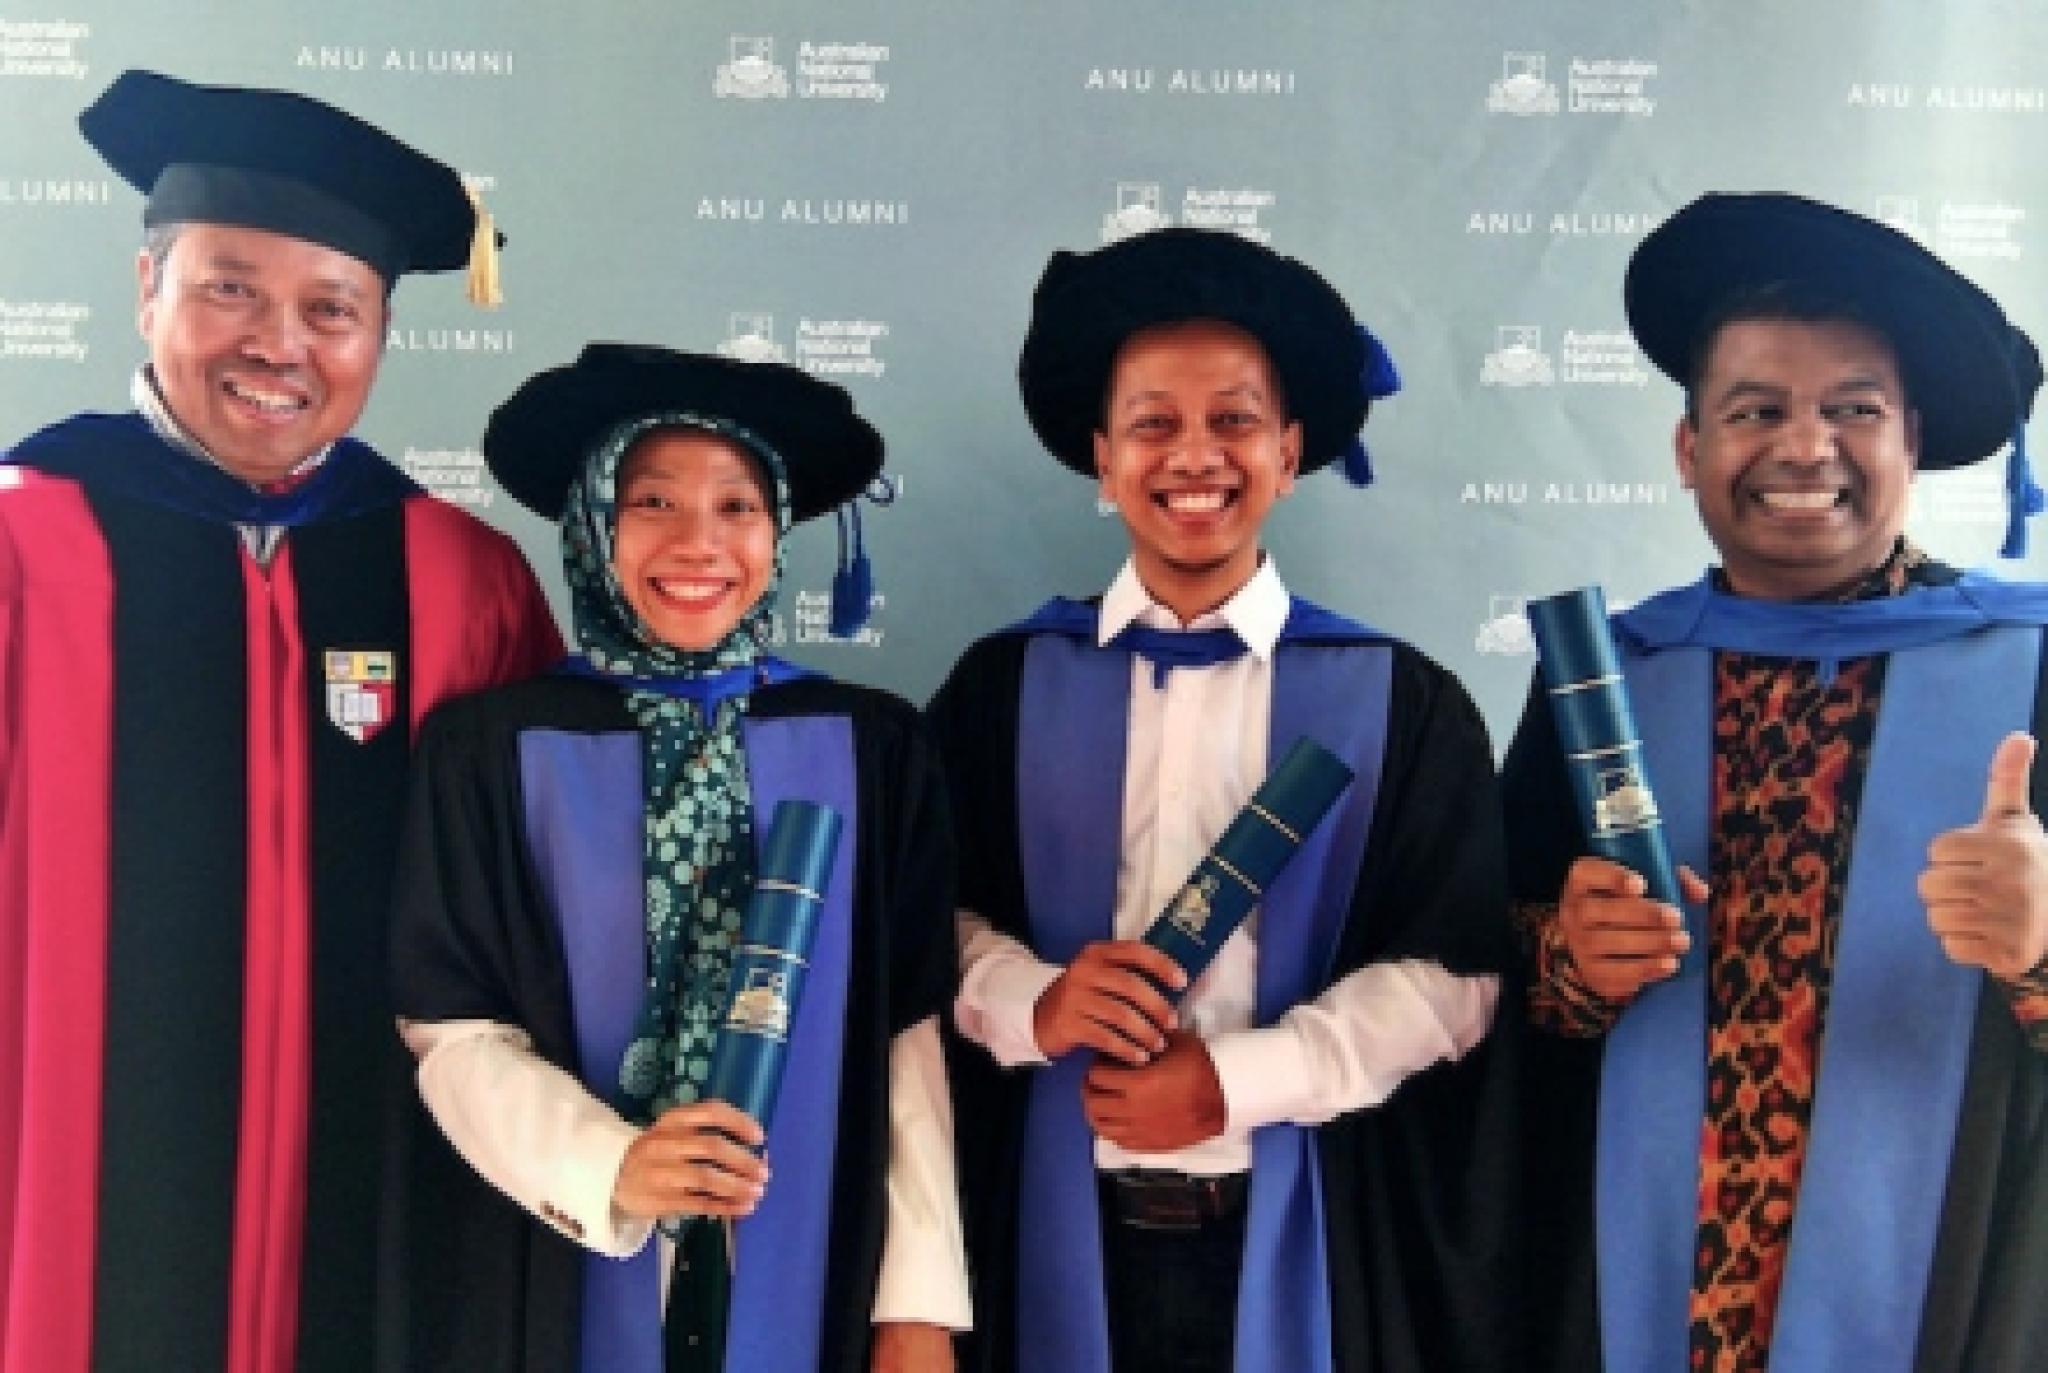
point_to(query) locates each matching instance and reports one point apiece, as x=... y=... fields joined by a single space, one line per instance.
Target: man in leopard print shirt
x=1808 y=1117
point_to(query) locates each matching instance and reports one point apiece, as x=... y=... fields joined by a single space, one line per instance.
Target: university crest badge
x=1190 y=911
x=762 y=1007
x=362 y=690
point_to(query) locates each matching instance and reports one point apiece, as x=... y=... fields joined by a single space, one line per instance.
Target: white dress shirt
x=538 y=1135
x=1196 y=753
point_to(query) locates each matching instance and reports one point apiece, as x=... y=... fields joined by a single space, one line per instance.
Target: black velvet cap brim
x=1087 y=306
x=539 y=439
x=1954 y=347
x=282 y=162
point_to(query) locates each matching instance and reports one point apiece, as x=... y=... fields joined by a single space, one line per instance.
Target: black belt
x=1149 y=1200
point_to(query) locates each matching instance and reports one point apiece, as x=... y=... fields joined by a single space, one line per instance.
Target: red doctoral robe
x=202 y=760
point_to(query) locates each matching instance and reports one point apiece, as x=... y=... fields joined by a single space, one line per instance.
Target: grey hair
x=157 y=242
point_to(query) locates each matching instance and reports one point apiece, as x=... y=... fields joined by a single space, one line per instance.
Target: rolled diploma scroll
x=1603 y=750
x=769 y=965
x=1258 y=844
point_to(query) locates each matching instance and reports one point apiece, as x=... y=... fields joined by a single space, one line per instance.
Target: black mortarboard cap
x=1957 y=353
x=287 y=163
x=1088 y=305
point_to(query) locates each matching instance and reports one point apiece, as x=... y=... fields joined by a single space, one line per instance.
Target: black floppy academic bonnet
x=538 y=440
x=1088 y=305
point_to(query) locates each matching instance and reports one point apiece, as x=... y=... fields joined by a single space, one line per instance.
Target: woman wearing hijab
x=579 y=852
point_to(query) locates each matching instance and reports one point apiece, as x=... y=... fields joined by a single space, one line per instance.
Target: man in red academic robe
x=220 y=620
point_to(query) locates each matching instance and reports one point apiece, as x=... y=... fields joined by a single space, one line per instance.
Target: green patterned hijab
x=698 y=852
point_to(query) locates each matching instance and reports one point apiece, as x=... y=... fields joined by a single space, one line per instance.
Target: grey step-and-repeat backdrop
x=869 y=190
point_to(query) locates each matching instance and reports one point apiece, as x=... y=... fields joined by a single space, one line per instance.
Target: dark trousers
x=1172 y=1294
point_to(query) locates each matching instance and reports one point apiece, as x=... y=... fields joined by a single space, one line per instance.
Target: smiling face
x=1801 y=454
x=1195 y=448
x=263 y=346
x=695 y=545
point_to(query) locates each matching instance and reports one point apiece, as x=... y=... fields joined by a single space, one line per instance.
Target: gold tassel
x=484 y=287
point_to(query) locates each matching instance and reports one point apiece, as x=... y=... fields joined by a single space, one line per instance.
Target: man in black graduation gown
x=1805 y=1120
x=1303 y=1166
x=220 y=620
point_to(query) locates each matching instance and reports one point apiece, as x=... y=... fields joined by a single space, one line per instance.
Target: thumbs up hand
x=1986 y=884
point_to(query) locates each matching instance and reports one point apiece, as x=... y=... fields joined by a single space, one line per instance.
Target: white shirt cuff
x=1264 y=1075
x=1000 y=983
x=923 y=1275
x=589 y=1171
x=1352 y=1046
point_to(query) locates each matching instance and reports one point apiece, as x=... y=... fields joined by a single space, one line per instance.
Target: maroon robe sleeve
x=478 y=616
x=56 y=686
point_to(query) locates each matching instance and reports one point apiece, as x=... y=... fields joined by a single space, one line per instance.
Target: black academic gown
x=1421 y=1193
x=494 y=1290
x=1987 y=1305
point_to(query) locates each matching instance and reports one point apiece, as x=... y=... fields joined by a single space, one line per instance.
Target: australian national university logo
x=824 y=71
x=1592 y=85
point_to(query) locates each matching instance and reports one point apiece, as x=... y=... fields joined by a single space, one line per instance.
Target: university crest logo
x=1517 y=359
x=762 y=1006
x=1505 y=630
x=750 y=337
x=362 y=690
x=752 y=73
x=1138 y=211
x=1523 y=88
x=1190 y=913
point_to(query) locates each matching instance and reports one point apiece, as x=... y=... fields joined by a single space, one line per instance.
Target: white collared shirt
x=1196 y=752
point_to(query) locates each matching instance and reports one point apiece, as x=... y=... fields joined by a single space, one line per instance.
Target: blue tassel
x=2023 y=497
x=853 y=585
x=1357 y=464
x=1380 y=376
x=1380 y=379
